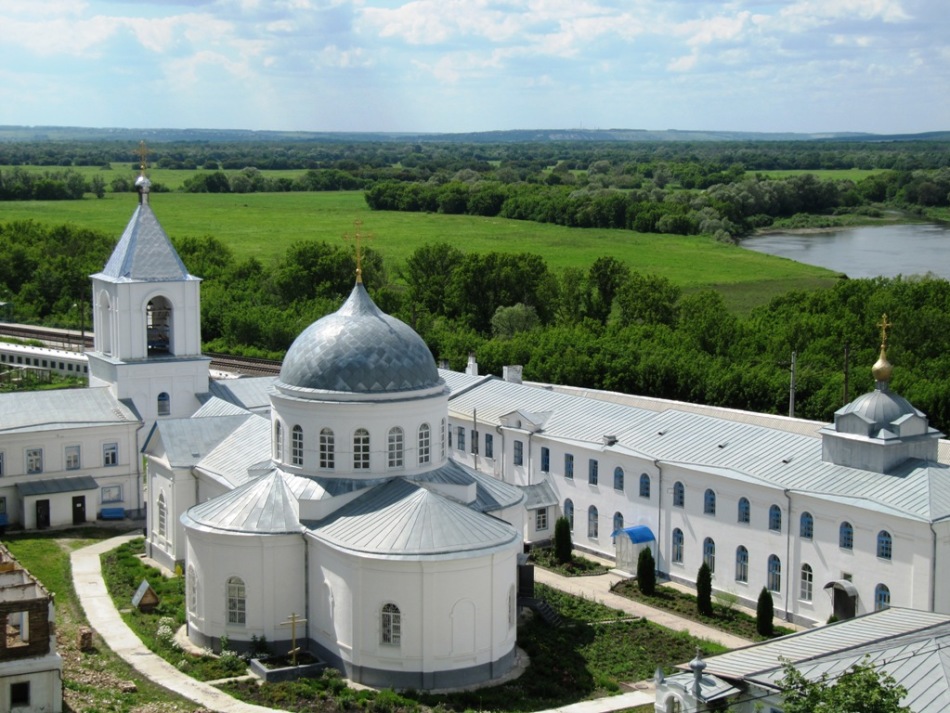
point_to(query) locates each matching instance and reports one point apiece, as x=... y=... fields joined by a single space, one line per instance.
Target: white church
x=382 y=503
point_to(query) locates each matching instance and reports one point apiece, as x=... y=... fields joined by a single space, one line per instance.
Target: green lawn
x=263 y=225
x=850 y=174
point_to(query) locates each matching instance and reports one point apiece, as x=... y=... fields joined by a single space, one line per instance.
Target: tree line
x=607 y=326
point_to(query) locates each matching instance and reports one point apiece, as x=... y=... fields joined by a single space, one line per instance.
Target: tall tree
x=704 y=590
x=861 y=688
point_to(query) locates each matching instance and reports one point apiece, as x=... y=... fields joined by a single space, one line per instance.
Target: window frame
x=72 y=457
x=645 y=486
x=327 y=448
x=593 y=523
x=618 y=479
x=395 y=448
x=677 y=542
x=679 y=494
x=709 y=554
x=236 y=602
x=390 y=623
x=361 y=452
x=774 y=574
x=569 y=513
x=489 y=446
x=882 y=597
x=34 y=461
x=885 y=545
x=709 y=502
x=744 y=511
x=775 y=518
x=807 y=583
x=424 y=437
x=742 y=564
x=296 y=445
x=545 y=459
x=569 y=466
x=517 y=452
x=806 y=526
x=846 y=536
x=541 y=519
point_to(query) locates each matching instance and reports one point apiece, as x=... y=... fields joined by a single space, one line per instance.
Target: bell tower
x=147 y=320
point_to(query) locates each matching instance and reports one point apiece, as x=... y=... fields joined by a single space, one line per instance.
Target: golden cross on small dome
x=884 y=325
x=358 y=237
x=143 y=157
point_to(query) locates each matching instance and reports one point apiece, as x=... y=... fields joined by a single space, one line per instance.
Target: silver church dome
x=359 y=349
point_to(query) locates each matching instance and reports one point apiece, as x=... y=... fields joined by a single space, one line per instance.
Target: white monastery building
x=383 y=503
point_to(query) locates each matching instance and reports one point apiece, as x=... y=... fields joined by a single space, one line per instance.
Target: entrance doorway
x=844 y=598
x=42 y=514
x=79 y=509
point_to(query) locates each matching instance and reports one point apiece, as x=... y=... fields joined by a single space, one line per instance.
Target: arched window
x=644 y=485
x=237 y=602
x=158 y=321
x=808 y=579
x=678 y=546
x=618 y=522
x=361 y=449
x=395 y=448
x=192 y=589
x=442 y=439
x=884 y=545
x=709 y=554
x=742 y=564
x=745 y=511
x=592 y=522
x=326 y=448
x=618 y=478
x=164 y=404
x=391 y=625
x=569 y=513
x=806 y=526
x=424 y=444
x=104 y=325
x=278 y=441
x=296 y=446
x=882 y=597
x=162 y=516
x=846 y=536
x=709 y=502
x=679 y=495
x=774 y=583
x=775 y=518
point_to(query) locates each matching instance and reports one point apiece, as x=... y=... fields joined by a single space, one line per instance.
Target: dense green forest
x=606 y=327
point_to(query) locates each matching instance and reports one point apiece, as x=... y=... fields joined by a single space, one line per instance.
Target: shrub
x=562 y=540
x=704 y=590
x=764 y=613
x=646 y=572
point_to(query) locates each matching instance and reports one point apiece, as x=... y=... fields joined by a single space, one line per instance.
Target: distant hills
x=74 y=133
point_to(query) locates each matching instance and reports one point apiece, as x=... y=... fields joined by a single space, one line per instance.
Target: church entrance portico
x=844 y=599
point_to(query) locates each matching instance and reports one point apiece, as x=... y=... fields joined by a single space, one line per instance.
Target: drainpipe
x=933 y=570
x=788 y=553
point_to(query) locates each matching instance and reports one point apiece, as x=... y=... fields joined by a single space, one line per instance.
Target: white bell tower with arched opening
x=146 y=313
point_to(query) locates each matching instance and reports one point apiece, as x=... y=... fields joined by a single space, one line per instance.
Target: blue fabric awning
x=637 y=534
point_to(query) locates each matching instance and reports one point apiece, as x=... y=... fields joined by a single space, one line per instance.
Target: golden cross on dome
x=884 y=325
x=358 y=239
x=143 y=157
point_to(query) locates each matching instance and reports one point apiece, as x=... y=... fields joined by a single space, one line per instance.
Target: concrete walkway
x=105 y=619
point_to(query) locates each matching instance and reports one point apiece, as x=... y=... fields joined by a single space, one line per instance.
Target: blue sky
x=880 y=66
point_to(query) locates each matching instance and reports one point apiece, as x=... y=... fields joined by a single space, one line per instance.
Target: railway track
x=70 y=340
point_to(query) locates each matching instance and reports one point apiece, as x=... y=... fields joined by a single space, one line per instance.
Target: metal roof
x=215 y=406
x=733 y=448
x=912 y=646
x=264 y=506
x=144 y=253
x=49 y=486
x=232 y=458
x=490 y=493
x=188 y=440
x=359 y=348
x=252 y=393
x=403 y=519
x=637 y=534
x=540 y=495
x=66 y=408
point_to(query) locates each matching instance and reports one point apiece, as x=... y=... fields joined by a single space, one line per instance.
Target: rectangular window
x=541 y=519
x=489 y=447
x=545 y=459
x=112 y=494
x=460 y=444
x=519 y=453
x=34 y=460
x=110 y=454
x=2 y=473
x=474 y=434
x=568 y=465
x=450 y=436
x=72 y=458
x=592 y=472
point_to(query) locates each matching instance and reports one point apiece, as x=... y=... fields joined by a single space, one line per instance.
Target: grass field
x=263 y=225
x=850 y=174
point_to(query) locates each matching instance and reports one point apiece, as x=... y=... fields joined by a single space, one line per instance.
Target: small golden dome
x=882 y=368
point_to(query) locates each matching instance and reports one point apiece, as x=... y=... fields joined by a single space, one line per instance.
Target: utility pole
x=791 y=390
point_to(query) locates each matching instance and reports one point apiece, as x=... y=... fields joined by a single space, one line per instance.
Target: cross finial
x=143 y=157
x=357 y=237
x=884 y=325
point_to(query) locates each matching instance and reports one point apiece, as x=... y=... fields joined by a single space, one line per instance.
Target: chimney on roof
x=512 y=373
x=472 y=368
x=610 y=440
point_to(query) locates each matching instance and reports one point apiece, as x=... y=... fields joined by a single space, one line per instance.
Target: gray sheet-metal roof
x=539 y=495
x=188 y=440
x=491 y=494
x=912 y=646
x=144 y=253
x=57 y=410
x=403 y=519
x=264 y=506
x=252 y=393
x=730 y=447
x=49 y=486
x=215 y=406
x=233 y=456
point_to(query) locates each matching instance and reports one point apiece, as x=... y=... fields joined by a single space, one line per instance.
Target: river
x=868 y=251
